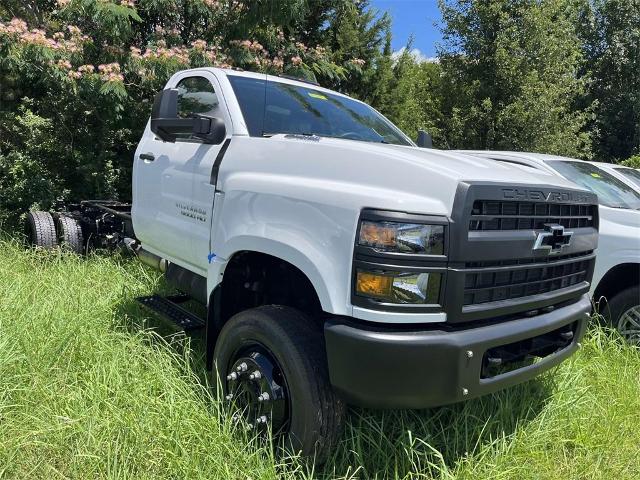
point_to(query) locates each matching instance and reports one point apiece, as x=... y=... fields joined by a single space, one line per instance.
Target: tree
x=612 y=47
x=510 y=76
x=414 y=98
x=355 y=33
x=77 y=78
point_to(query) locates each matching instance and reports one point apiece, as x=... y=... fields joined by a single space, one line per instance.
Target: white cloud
x=417 y=55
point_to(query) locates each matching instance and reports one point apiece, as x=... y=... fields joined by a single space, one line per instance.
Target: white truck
x=616 y=281
x=339 y=262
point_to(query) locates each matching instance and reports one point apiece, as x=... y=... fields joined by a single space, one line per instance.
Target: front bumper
x=381 y=368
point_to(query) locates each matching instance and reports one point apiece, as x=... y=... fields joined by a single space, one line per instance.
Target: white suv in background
x=616 y=279
x=630 y=176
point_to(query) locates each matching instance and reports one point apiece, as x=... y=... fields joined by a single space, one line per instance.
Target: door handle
x=149 y=157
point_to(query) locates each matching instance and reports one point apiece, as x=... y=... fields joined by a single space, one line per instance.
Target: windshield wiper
x=271 y=134
x=318 y=135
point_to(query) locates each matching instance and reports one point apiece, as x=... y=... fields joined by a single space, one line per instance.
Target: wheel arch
x=300 y=255
x=236 y=286
x=617 y=279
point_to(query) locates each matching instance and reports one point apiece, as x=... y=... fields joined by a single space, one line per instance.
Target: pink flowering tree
x=77 y=78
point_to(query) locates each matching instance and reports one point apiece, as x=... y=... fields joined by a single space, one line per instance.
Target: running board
x=167 y=307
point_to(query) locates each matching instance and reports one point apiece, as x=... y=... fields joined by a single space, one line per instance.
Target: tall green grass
x=91 y=387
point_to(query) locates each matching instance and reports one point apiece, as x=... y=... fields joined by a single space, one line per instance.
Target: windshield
x=611 y=191
x=631 y=173
x=272 y=107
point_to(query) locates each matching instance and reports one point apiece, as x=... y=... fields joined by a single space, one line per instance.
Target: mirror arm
x=201 y=125
x=209 y=129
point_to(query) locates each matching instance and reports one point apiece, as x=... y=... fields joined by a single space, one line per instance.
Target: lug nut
x=229 y=397
x=232 y=376
x=261 y=419
x=242 y=367
x=263 y=397
x=255 y=375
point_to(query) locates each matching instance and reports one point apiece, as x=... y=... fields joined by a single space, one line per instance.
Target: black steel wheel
x=70 y=234
x=40 y=230
x=256 y=386
x=272 y=365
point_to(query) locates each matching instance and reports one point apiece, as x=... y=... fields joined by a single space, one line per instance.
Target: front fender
x=316 y=238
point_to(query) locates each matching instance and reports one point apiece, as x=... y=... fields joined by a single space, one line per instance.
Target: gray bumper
x=383 y=368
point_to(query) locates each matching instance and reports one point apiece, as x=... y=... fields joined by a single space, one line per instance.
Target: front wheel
x=624 y=311
x=272 y=366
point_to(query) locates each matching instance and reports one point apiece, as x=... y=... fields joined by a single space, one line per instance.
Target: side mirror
x=424 y=139
x=166 y=124
x=164 y=116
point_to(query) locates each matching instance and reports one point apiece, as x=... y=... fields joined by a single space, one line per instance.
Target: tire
x=315 y=415
x=624 y=314
x=41 y=230
x=70 y=234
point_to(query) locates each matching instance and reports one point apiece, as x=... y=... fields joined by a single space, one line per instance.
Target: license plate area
x=513 y=356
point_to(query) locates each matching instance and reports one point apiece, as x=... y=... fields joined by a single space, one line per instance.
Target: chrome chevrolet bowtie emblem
x=553 y=239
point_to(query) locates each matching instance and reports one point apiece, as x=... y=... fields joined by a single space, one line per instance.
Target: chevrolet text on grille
x=539 y=195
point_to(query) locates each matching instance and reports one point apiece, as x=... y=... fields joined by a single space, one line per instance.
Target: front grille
x=525 y=261
x=514 y=215
x=504 y=284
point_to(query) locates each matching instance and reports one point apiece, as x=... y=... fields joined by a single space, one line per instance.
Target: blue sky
x=413 y=17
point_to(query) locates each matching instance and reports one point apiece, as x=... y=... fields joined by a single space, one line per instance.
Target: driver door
x=173 y=199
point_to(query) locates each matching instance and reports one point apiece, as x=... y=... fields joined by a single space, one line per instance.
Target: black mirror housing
x=424 y=139
x=165 y=104
x=166 y=124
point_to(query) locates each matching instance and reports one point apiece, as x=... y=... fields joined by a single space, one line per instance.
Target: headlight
x=402 y=237
x=399 y=287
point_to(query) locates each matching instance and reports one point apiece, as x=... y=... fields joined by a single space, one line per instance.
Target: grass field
x=91 y=387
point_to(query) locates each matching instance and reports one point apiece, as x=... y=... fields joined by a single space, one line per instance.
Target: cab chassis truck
x=340 y=263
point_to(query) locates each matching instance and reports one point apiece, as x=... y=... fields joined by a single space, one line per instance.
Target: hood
x=373 y=175
x=470 y=167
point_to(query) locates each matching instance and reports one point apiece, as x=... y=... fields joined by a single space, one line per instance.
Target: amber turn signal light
x=374 y=285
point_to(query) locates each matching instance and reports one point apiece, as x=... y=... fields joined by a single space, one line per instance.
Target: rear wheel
x=41 y=230
x=624 y=310
x=272 y=365
x=70 y=234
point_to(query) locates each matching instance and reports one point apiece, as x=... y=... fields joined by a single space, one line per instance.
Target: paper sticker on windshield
x=317 y=95
x=596 y=175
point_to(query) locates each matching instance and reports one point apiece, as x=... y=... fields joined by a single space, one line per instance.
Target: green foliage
x=77 y=77
x=510 y=73
x=414 y=101
x=87 y=70
x=612 y=46
x=633 y=162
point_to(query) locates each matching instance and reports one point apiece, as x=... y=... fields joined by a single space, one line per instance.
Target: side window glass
x=196 y=95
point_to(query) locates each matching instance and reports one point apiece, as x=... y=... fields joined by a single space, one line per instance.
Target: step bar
x=169 y=308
